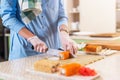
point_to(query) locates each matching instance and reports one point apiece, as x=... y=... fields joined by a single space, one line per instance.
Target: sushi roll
x=69 y=69
x=93 y=48
x=45 y=65
x=64 y=55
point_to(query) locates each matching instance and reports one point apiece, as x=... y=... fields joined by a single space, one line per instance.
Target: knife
x=55 y=52
x=52 y=52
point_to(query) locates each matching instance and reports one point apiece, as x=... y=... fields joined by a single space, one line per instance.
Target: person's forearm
x=38 y=44
x=24 y=32
x=64 y=30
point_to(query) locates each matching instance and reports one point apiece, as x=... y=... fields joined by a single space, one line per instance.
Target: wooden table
x=108 y=68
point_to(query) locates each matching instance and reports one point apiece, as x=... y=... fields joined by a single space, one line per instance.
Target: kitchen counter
x=86 y=37
x=108 y=68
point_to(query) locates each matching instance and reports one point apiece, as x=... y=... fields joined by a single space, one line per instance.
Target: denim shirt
x=45 y=26
x=0 y=8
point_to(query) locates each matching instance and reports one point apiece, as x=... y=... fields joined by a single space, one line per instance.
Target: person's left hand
x=68 y=43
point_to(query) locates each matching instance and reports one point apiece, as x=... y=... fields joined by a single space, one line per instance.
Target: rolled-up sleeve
x=62 y=18
x=9 y=15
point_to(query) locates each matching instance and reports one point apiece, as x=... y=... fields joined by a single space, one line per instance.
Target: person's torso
x=45 y=26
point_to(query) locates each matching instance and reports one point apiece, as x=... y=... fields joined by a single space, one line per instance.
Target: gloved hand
x=68 y=43
x=38 y=44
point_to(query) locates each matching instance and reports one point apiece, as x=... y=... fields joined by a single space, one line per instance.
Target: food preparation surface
x=17 y=69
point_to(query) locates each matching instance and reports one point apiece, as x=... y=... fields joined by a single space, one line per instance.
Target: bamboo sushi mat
x=83 y=59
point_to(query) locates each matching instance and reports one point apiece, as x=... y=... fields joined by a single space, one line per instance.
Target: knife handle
x=33 y=48
x=47 y=48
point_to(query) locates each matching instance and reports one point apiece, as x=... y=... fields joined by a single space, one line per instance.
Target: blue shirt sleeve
x=9 y=15
x=62 y=18
x=0 y=8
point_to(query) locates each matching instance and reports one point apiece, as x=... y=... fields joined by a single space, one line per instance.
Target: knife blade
x=53 y=52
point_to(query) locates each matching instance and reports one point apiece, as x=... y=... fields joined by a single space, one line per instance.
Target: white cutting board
x=61 y=77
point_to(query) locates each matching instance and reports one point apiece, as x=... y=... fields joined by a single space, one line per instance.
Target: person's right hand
x=38 y=44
